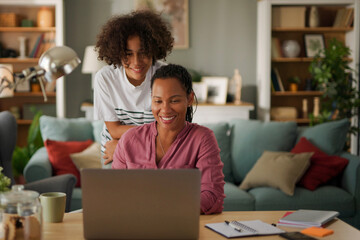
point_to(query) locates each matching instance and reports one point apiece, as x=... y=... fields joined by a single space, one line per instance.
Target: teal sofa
x=242 y=142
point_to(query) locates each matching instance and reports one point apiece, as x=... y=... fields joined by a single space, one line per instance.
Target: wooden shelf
x=297 y=93
x=317 y=29
x=27 y=29
x=34 y=94
x=243 y=104
x=300 y=59
x=23 y=122
x=19 y=60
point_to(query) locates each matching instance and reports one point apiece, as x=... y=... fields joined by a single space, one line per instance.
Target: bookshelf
x=298 y=66
x=9 y=39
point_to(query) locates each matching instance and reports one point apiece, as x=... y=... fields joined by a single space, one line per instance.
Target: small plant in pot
x=294 y=83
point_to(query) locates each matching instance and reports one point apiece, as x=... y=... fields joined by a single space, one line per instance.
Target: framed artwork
x=201 y=91
x=6 y=80
x=217 y=89
x=313 y=44
x=176 y=13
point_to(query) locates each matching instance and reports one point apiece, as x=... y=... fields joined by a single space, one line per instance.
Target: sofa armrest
x=351 y=182
x=351 y=177
x=38 y=167
x=63 y=183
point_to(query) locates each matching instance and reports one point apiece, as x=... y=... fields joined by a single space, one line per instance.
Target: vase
x=22 y=47
x=291 y=48
x=316 y=110
x=314 y=17
x=45 y=17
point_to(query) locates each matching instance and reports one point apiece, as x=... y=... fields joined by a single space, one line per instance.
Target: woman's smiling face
x=169 y=103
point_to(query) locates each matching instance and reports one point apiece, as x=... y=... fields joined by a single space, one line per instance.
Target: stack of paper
x=244 y=228
x=307 y=218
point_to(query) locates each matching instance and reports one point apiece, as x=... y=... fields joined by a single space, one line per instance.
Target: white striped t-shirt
x=116 y=99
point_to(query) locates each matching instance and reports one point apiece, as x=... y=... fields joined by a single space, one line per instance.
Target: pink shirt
x=194 y=147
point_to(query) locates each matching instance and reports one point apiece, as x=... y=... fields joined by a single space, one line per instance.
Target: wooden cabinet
x=9 y=39
x=299 y=66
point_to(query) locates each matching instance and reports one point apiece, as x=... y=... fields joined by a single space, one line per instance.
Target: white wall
x=222 y=37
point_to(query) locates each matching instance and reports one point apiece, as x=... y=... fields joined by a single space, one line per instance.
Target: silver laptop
x=141 y=204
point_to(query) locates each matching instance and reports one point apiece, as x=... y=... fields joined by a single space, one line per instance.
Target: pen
x=233 y=226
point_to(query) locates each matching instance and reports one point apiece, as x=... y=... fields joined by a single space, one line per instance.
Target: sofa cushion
x=322 y=168
x=286 y=169
x=323 y=198
x=250 y=138
x=97 y=129
x=330 y=137
x=59 y=156
x=65 y=129
x=237 y=199
x=89 y=158
x=221 y=131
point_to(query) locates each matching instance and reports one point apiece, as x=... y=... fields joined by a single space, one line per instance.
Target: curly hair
x=154 y=34
x=180 y=73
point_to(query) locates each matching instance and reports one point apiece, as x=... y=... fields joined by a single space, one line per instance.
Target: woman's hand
x=109 y=151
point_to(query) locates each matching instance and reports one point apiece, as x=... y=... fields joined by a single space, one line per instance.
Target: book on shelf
x=281 y=85
x=344 y=17
x=349 y=17
x=36 y=45
x=339 y=16
x=48 y=41
x=307 y=218
x=276 y=80
x=275 y=48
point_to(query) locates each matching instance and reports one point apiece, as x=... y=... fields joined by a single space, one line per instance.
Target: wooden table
x=72 y=227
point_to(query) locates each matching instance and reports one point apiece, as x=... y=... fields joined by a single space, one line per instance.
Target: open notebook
x=246 y=228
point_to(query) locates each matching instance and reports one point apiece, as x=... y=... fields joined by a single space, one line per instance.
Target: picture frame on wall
x=176 y=13
x=216 y=89
x=6 y=80
x=313 y=44
x=201 y=91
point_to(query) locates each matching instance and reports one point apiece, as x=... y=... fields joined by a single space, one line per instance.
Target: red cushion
x=322 y=168
x=59 y=156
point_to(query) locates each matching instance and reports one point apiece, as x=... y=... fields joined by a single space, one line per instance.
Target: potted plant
x=294 y=83
x=4 y=182
x=22 y=155
x=333 y=76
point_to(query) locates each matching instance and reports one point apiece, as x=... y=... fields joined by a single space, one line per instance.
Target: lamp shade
x=58 y=61
x=90 y=62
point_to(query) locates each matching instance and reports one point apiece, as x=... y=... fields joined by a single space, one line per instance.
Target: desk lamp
x=53 y=64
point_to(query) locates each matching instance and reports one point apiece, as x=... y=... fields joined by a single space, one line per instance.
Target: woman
x=172 y=141
x=131 y=45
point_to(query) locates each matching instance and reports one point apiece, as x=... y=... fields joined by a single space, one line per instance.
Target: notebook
x=307 y=218
x=141 y=204
x=244 y=228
